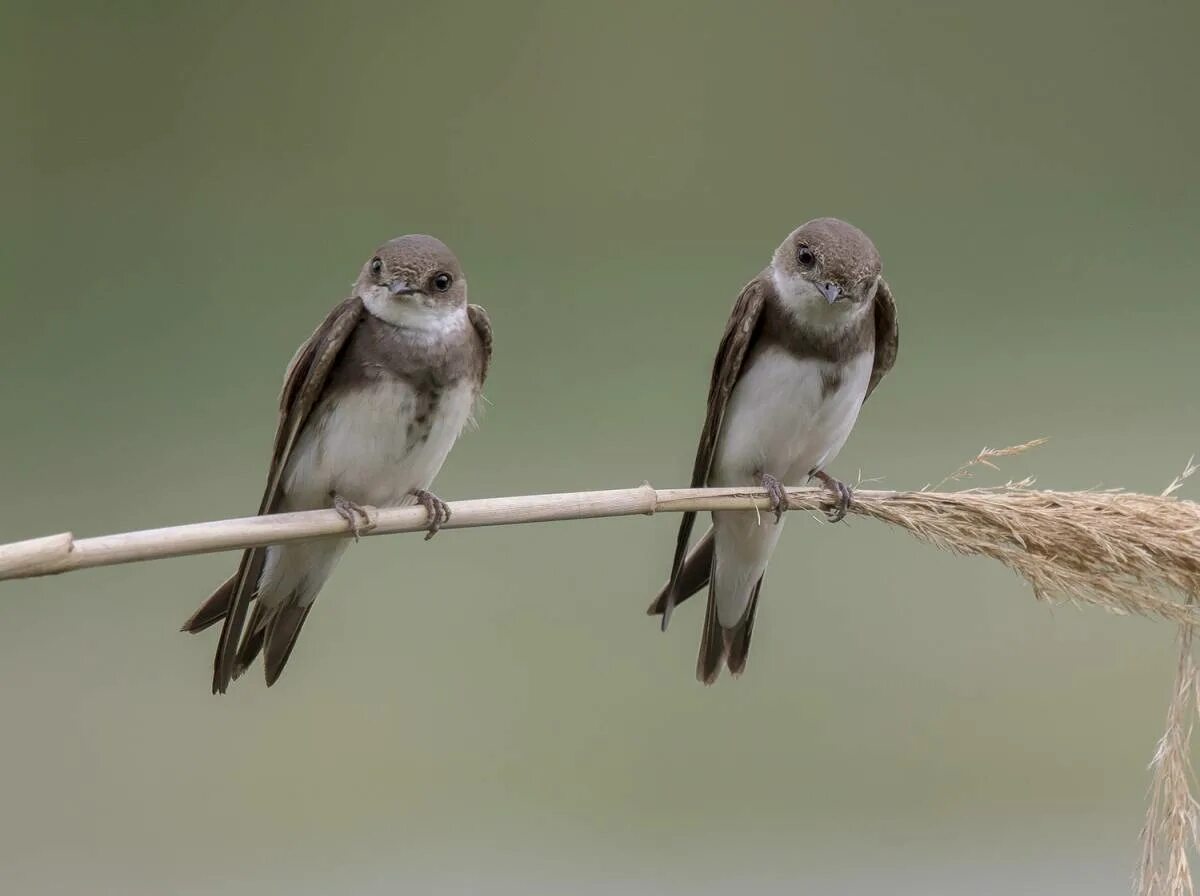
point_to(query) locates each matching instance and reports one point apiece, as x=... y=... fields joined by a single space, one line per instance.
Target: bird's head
x=828 y=267
x=413 y=281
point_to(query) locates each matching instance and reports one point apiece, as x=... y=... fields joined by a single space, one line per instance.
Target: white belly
x=361 y=446
x=783 y=420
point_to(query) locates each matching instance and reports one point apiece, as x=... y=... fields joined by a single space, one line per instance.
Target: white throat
x=806 y=303
x=414 y=312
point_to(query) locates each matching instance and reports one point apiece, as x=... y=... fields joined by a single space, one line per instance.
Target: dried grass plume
x=1172 y=829
x=1118 y=550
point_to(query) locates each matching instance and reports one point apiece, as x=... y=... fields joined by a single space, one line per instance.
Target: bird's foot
x=776 y=492
x=355 y=515
x=841 y=492
x=437 y=509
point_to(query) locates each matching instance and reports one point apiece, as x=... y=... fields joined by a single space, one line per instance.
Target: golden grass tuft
x=1112 y=549
x=1117 y=550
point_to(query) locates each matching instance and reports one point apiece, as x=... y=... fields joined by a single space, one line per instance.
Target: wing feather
x=302 y=387
x=740 y=331
x=887 y=335
x=483 y=329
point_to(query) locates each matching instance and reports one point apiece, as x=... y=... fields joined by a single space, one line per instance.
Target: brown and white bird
x=809 y=339
x=371 y=405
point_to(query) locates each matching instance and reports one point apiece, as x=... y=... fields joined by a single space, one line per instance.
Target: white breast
x=783 y=420
x=360 y=445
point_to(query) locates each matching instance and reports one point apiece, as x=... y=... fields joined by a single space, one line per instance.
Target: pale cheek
x=797 y=293
x=375 y=296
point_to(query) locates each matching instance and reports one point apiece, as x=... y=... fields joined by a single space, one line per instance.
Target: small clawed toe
x=838 y=513
x=843 y=494
x=437 y=510
x=777 y=493
x=356 y=516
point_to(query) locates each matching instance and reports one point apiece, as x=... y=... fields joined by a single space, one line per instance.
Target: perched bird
x=370 y=407
x=809 y=339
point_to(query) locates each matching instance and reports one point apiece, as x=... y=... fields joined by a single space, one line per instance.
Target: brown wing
x=740 y=331
x=483 y=329
x=302 y=387
x=887 y=335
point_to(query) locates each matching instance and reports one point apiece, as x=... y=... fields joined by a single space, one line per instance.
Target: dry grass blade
x=984 y=459
x=1172 y=827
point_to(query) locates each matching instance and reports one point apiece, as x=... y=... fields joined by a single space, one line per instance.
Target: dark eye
x=376 y=267
x=805 y=257
x=441 y=281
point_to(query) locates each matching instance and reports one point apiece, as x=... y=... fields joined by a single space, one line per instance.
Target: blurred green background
x=189 y=189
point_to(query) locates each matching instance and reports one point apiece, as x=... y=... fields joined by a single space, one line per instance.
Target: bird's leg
x=437 y=509
x=359 y=520
x=842 y=492
x=776 y=492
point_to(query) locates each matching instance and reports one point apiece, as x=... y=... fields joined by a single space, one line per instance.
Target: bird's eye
x=806 y=257
x=441 y=281
x=376 y=267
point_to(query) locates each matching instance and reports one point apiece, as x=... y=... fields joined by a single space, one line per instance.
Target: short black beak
x=401 y=288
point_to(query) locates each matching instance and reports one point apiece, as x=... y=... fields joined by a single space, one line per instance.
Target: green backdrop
x=187 y=190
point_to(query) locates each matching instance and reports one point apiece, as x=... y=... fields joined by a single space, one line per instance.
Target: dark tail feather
x=738 y=637
x=282 y=631
x=212 y=610
x=712 y=644
x=725 y=646
x=272 y=631
x=693 y=576
x=244 y=592
x=252 y=641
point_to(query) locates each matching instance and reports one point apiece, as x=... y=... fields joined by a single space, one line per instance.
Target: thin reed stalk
x=1122 y=551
